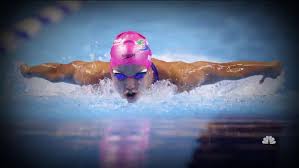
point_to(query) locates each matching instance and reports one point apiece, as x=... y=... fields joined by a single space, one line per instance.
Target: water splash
x=225 y=95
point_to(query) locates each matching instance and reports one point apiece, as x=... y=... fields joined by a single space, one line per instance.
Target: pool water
x=66 y=125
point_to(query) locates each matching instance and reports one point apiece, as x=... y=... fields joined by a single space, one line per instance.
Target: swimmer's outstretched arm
x=189 y=75
x=50 y=71
x=77 y=72
x=240 y=69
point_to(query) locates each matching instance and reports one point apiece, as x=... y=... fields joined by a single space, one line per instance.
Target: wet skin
x=184 y=75
x=131 y=88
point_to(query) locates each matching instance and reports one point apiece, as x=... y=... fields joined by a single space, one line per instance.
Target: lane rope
x=29 y=27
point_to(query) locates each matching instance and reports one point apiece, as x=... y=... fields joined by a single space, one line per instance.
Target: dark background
x=285 y=12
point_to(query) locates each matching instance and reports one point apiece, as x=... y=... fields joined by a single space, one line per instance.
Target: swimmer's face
x=130 y=80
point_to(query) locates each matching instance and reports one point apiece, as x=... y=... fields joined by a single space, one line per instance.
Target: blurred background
x=212 y=125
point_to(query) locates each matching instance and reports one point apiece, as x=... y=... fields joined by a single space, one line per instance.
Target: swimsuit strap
x=156 y=75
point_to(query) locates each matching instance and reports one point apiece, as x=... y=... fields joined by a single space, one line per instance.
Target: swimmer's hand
x=275 y=69
x=24 y=68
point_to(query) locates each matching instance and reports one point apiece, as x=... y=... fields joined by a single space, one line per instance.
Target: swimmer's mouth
x=131 y=96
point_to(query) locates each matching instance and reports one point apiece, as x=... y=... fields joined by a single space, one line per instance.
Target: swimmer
x=132 y=69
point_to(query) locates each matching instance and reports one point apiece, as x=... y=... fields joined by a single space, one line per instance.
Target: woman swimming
x=132 y=69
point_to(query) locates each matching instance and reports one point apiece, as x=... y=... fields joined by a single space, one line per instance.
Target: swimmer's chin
x=131 y=100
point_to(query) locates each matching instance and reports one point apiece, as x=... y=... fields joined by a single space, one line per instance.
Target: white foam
x=242 y=88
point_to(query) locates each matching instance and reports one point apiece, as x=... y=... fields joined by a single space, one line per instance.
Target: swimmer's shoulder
x=173 y=65
x=90 y=72
x=164 y=68
x=95 y=65
x=160 y=63
x=177 y=71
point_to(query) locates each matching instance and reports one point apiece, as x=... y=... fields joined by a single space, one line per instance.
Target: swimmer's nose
x=130 y=85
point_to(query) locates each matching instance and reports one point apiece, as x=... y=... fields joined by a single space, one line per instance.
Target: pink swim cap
x=130 y=48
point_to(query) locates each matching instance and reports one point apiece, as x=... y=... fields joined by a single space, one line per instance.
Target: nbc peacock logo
x=268 y=140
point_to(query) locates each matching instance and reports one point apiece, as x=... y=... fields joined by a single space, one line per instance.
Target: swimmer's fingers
x=276 y=69
x=263 y=79
x=24 y=68
x=273 y=72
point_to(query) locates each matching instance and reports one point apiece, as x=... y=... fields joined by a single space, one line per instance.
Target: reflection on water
x=140 y=142
x=124 y=143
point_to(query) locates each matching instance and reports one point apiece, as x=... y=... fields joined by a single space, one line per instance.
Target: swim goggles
x=137 y=76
